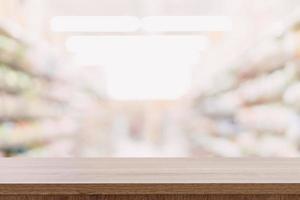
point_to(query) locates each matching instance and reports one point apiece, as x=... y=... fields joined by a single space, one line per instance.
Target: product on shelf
x=268 y=87
x=17 y=82
x=266 y=57
x=292 y=95
x=268 y=118
x=224 y=105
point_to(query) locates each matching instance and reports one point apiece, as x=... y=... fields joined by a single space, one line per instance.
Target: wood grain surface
x=159 y=176
x=151 y=197
x=153 y=189
x=147 y=170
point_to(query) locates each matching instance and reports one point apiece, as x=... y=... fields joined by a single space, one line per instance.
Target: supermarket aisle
x=149 y=78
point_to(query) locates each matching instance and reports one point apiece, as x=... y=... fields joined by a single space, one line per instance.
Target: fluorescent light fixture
x=141 y=67
x=95 y=24
x=148 y=24
x=186 y=23
x=102 y=44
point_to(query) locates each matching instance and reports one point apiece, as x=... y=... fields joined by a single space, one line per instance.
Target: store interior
x=149 y=78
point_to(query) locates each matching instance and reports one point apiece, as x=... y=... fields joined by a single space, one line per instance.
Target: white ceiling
x=137 y=7
x=163 y=7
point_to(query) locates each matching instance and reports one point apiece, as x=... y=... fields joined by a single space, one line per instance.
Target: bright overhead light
x=95 y=24
x=117 y=43
x=141 y=67
x=186 y=23
x=148 y=24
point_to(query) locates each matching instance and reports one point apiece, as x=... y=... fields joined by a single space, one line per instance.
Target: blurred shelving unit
x=252 y=107
x=34 y=117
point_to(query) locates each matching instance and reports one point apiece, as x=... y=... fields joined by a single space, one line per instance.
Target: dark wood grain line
x=112 y=189
x=150 y=197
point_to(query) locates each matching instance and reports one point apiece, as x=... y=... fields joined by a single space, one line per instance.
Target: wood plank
x=167 y=189
x=148 y=170
x=149 y=176
x=152 y=197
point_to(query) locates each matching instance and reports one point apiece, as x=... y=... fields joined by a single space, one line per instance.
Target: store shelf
x=253 y=100
x=28 y=108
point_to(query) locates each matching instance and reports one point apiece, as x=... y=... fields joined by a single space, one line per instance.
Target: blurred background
x=149 y=78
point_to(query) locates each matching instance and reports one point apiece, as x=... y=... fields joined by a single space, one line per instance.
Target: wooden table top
x=149 y=175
